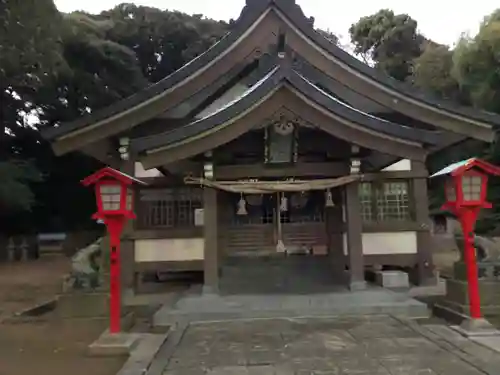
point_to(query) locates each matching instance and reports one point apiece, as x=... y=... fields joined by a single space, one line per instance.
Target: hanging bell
x=242 y=207
x=284 y=203
x=329 y=199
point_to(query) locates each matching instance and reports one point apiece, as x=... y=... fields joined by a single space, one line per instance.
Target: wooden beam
x=104 y=152
x=398 y=175
x=184 y=167
x=332 y=169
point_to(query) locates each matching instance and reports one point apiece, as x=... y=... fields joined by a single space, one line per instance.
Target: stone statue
x=85 y=267
x=487 y=250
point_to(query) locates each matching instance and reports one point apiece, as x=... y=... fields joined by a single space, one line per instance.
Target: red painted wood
x=115 y=221
x=115 y=226
x=467 y=219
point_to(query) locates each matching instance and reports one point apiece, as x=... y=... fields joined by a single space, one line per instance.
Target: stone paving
x=195 y=307
x=361 y=345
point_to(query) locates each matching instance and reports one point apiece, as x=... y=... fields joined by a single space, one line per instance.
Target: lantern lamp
x=466 y=189
x=466 y=184
x=114 y=197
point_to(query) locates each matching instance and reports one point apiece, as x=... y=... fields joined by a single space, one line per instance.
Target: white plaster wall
x=402 y=165
x=139 y=171
x=383 y=243
x=169 y=250
x=233 y=93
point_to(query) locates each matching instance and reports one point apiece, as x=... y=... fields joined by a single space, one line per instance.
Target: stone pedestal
x=392 y=279
x=457 y=299
x=119 y=344
x=476 y=328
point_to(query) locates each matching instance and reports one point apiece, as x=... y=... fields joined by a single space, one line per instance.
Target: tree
x=75 y=64
x=96 y=75
x=163 y=40
x=475 y=65
x=30 y=55
x=29 y=43
x=15 y=194
x=475 y=68
x=389 y=41
x=432 y=72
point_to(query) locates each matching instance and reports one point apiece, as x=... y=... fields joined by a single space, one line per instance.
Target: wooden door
x=252 y=234
x=303 y=224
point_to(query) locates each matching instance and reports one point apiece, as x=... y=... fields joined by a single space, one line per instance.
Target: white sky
x=440 y=20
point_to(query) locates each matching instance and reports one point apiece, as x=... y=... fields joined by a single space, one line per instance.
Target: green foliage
x=59 y=67
x=163 y=40
x=29 y=42
x=475 y=65
x=391 y=41
x=432 y=72
x=15 y=193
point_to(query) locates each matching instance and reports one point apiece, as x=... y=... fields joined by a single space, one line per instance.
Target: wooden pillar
x=127 y=251
x=425 y=274
x=335 y=236
x=356 y=277
x=211 y=249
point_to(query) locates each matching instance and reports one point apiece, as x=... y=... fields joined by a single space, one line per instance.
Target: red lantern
x=466 y=190
x=115 y=205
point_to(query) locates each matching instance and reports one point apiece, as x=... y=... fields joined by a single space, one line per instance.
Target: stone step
x=205 y=308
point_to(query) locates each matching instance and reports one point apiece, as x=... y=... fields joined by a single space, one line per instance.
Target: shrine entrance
x=277 y=244
x=268 y=224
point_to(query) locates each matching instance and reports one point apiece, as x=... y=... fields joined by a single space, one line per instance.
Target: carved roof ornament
x=284 y=127
x=284 y=115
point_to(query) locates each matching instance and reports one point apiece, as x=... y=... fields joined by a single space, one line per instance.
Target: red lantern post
x=115 y=205
x=466 y=189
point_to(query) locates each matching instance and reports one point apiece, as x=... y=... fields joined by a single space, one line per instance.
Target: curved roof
x=252 y=14
x=249 y=16
x=294 y=13
x=284 y=76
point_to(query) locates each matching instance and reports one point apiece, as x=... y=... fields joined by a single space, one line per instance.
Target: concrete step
x=368 y=302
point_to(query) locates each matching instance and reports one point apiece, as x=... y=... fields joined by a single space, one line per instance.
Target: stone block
x=457 y=291
x=392 y=279
x=486 y=271
x=119 y=344
x=463 y=309
x=476 y=328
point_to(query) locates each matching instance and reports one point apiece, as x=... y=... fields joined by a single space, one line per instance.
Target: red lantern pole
x=115 y=224
x=109 y=185
x=467 y=217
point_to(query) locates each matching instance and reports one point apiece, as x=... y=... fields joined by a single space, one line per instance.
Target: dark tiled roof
x=278 y=77
x=297 y=18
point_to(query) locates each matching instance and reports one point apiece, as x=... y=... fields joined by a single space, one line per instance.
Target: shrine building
x=276 y=142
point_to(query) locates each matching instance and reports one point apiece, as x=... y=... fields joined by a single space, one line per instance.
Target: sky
x=441 y=20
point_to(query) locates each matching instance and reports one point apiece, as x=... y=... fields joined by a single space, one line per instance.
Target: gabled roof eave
x=279 y=77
